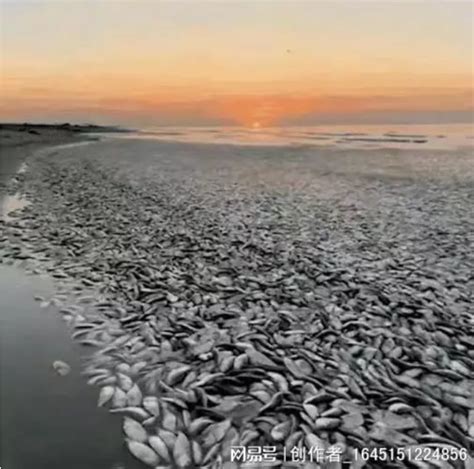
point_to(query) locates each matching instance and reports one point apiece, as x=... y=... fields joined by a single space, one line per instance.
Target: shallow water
x=48 y=421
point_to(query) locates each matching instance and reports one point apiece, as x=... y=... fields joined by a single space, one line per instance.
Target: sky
x=252 y=63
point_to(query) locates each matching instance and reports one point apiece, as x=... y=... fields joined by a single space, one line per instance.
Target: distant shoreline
x=19 y=140
x=32 y=128
x=64 y=125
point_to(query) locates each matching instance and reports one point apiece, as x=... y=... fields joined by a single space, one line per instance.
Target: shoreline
x=38 y=405
x=19 y=141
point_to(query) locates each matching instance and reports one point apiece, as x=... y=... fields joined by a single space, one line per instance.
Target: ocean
x=439 y=136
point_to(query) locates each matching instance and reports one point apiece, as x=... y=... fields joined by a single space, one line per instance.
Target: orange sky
x=204 y=63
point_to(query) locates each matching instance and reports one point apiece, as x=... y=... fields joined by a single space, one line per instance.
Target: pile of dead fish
x=224 y=318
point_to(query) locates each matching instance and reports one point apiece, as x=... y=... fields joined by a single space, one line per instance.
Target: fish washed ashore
x=252 y=297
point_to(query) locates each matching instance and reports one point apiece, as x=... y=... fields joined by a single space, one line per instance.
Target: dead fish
x=120 y=398
x=280 y=381
x=90 y=343
x=227 y=364
x=311 y=410
x=281 y=431
x=274 y=401
x=159 y=446
x=168 y=437
x=176 y=375
x=182 y=451
x=143 y=453
x=102 y=380
x=93 y=371
x=123 y=368
x=312 y=441
x=61 y=368
x=207 y=379
x=137 y=413
x=261 y=360
x=124 y=381
x=198 y=425
x=134 y=430
x=106 y=393
x=80 y=333
x=151 y=404
x=137 y=367
x=240 y=361
x=400 y=407
x=197 y=453
x=169 y=420
x=134 y=396
x=215 y=433
x=326 y=423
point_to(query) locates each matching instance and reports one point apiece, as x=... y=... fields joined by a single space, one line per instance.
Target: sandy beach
x=324 y=292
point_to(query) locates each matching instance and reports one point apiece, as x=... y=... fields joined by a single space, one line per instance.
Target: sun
x=256 y=125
